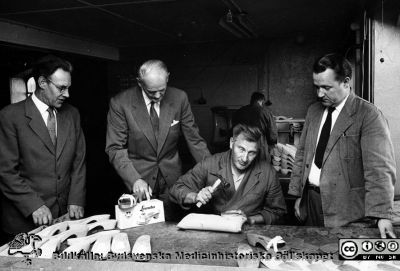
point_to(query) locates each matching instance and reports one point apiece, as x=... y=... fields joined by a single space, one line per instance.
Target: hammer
x=215 y=185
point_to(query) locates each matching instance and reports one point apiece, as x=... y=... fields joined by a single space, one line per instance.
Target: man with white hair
x=144 y=125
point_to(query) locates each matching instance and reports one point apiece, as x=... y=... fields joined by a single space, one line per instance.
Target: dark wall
x=90 y=94
x=225 y=74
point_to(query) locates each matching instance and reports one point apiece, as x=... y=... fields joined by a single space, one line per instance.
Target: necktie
x=51 y=125
x=154 y=119
x=323 y=138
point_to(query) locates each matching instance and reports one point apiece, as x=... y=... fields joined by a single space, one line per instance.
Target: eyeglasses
x=61 y=89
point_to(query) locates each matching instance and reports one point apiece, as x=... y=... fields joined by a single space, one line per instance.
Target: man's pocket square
x=174 y=122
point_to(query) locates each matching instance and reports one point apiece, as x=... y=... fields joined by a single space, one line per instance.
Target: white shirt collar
x=41 y=106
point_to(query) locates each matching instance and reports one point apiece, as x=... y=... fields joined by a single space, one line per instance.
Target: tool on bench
x=264 y=241
x=131 y=213
x=127 y=201
x=217 y=183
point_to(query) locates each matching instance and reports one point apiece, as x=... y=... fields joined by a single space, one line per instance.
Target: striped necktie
x=154 y=120
x=51 y=125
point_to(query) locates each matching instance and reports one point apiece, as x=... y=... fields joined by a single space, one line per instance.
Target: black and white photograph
x=199 y=135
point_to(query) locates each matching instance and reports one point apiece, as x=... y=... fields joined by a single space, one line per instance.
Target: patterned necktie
x=51 y=125
x=154 y=119
x=323 y=138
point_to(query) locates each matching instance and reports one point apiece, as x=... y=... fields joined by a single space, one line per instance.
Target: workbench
x=175 y=249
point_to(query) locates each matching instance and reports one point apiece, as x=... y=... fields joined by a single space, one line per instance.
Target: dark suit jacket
x=258 y=193
x=131 y=145
x=358 y=170
x=32 y=171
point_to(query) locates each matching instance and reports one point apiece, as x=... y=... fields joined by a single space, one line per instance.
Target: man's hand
x=204 y=195
x=190 y=198
x=385 y=228
x=141 y=188
x=42 y=216
x=75 y=211
x=255 y=219
x=297 y=208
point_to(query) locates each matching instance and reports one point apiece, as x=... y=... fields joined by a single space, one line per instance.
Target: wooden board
x=173 y=246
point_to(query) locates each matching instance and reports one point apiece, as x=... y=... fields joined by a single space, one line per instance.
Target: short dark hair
x=47 y=65
x=250 y=133
x=336 y=62
x=256 y=96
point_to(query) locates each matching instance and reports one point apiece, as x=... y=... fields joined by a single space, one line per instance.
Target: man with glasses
x=344 y=167
x=42 y=154
x=144 y=125
x=248 y=184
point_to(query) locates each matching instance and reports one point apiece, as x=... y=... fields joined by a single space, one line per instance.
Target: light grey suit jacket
x=131 y=145
x=358 y=169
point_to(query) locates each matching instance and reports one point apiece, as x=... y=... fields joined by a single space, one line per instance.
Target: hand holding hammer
x=205 y=194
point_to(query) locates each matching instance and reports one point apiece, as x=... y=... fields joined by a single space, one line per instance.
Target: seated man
x=247 y=183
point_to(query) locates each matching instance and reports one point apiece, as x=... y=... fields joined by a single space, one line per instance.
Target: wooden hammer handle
x=215 y=185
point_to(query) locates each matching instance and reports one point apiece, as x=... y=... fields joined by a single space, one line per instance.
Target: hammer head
x=224 y=183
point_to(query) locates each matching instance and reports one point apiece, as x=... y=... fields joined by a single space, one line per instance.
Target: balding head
x=153 y=78
x=152 y=66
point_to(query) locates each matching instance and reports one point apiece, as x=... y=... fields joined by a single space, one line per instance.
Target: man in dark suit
x=247 y=184
x=42 y=154
x=344 y=167
x=144 y=124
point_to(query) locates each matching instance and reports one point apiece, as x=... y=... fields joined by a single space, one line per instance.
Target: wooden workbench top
x=201 y=248
x=192 y=245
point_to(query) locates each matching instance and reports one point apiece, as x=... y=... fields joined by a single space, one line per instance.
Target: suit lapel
x=223 y=167
x=343 y=122
x=37 y=124
x=222 y=172
x=166 y=117
x=142 y=116
x=253 y=178
x=63 y=124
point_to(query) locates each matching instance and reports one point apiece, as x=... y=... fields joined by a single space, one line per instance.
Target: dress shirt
x=315 y=172
x=237 y=179
x=42 y=107
x=147 y=101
